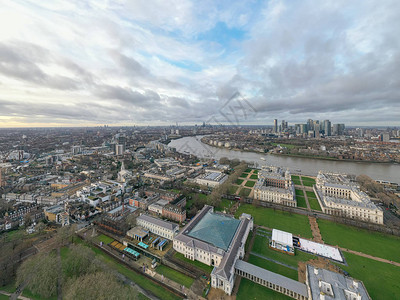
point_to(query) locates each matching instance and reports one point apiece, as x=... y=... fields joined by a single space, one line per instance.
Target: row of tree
x=82 y=276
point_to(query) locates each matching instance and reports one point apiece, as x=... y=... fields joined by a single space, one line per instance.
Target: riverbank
x=310 y=166
x=302 y=155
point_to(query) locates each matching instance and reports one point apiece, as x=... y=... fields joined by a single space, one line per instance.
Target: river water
x=309 y=166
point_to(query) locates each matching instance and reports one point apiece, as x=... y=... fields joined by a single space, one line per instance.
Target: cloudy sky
x=144 y=62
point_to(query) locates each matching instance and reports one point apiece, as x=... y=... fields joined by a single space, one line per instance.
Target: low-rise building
x=211 y=178
x=174 y=213
x=162 y=228
x=334 y=285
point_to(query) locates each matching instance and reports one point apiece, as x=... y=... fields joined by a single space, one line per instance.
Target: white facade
x=162 y=228
x=211 y=178
x=340 y=196
x=275 y=185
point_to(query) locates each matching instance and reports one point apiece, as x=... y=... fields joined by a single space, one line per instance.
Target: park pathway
x=306 y=198
x=315 y=230
x=371 y=257
x=243 y=184
x=19 y=297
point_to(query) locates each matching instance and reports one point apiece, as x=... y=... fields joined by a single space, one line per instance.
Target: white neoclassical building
x=339 y=195
x=215 y=239
x=157 y=226
x=275 y=185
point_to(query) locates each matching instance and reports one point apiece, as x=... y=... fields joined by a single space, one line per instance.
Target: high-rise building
x=327 y=128
x=276 y=125
x=310 y=124
x=76 y=150
x=2 y=180
x=119 y=149
x=338 y=129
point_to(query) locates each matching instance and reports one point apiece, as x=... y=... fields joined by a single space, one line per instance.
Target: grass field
x=250 y=183
x=261 y=247
x=232 y=189
x=225 y=204
x=311 y=194
x=239 y=181
x=380 y=279
x=105 y=239
x=296 y=180
x=247 y=170
x=294 y=223
x=201 y=266
x=308 y=181
x=175 y=275
x=4 y=297
x=255 y=171
x=250 y=290
x=299 y=192
x=245 y=192
x=244 y=175
x=301 y=201
x=273 y=267
x=254 y=176
x=314 y=204
x=27 y=293
x=373 y=243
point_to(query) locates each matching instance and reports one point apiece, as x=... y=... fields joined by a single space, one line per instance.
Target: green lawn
x=373 y=243
x=247 y=170
x=176 y=191
x=4 y=297
x=294 y=223
x=239 y=181
x=244 y=175
x=254 y=176
x=250 y=290
x=232 y=190
x=301 y=201
x=311 y=194
x=380 y=279
x=105 y=239
x=204 y=267
x=245 y=192
x=250 y=183
x=314 y=204
x=308 y=181
x=8 y=288
x=224 y=204
x=255 y=171
x=175 y=275
x=260 y=246
x=273 y=267
x=296 y=180
x=27 y=293
x=299 y=192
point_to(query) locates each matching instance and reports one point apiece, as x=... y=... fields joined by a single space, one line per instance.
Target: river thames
x=309 y=166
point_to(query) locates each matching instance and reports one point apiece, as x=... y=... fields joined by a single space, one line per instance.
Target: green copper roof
x=215 y=229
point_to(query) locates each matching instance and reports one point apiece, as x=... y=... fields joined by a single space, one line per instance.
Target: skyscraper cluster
x=312 y=128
